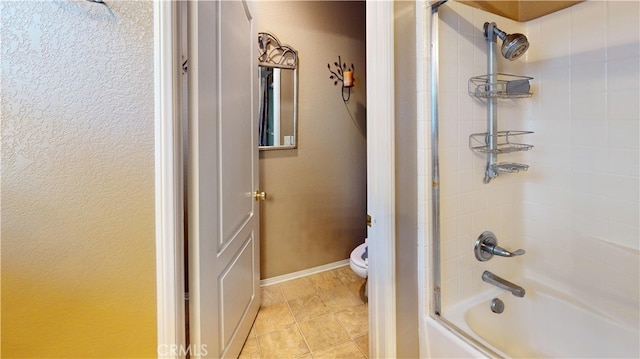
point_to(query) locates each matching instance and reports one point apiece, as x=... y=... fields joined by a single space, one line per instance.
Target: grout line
x=366 y=355
x=331 y=312
x=295 y=320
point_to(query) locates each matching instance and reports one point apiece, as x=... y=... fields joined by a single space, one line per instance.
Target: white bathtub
x=545 y=324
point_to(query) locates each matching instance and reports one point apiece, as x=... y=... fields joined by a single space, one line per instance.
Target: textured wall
x=316 y=209
x=78 y=261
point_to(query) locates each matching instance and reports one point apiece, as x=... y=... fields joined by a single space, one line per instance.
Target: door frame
x=171 y=317
x=381 y=178
x=169 y=212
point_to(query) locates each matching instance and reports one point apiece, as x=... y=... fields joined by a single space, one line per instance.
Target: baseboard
x=303 y=273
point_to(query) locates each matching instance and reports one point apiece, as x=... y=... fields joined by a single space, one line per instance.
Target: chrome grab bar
x=487 y=246
x=491 y=278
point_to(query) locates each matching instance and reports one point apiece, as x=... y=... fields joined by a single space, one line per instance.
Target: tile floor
x=324 y=315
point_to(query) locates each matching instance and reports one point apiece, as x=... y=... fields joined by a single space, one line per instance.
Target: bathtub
x=543 y=324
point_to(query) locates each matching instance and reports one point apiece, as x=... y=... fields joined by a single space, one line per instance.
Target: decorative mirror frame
x=274 y=54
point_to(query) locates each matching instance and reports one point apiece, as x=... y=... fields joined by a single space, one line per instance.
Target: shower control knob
x=487 y=246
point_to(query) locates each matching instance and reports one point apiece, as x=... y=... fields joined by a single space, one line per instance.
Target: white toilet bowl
x=359 y=260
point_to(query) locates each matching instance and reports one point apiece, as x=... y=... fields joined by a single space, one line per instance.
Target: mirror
x=278 y=96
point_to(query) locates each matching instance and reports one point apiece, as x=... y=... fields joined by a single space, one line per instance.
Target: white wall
x=576 y=211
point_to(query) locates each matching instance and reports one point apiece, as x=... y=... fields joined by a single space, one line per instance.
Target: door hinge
x=368 y=220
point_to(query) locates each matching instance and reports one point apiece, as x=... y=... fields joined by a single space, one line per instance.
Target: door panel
x=223 y=153
x=236 y=136
x=235 y=291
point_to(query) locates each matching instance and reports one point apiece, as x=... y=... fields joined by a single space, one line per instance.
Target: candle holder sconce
x=344 y=75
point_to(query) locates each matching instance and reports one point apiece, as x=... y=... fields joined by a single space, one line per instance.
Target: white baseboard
x=303 y=273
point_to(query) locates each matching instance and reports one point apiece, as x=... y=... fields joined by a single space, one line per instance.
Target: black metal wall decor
x=343 y=75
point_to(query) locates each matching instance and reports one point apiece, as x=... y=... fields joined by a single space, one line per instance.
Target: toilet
x=359 y=260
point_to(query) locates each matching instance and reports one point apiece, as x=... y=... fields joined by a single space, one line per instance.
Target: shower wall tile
x=590 y=135
x=623 y=37
x=620 y=74
x=624 y=106
x=587 y=106
x=587 y=156
x=557 y=49
x=582 y=189
x=623 y=188
x=623 y=212
x=588 y=32
x=552 y=161
x=623 y=161
x=588 y=77
x=553 y=130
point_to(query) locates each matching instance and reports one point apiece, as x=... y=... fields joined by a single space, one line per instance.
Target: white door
x=223 y=177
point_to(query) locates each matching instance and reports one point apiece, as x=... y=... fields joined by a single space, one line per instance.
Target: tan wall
x=77 y=227
x=316 y=209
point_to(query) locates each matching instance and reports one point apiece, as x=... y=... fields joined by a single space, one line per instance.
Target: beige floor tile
x=323 y=332
x=328 y=310
x=346 y=275
x=325 y=280
x=297 y=288
x=339 y=298
x=358 y=289
x=283 y=343
x=363 y=343
x=272 y=318
x=308 y=308
x=354 y=320
x=348 y=350
x=271 y=295
x=250 y=349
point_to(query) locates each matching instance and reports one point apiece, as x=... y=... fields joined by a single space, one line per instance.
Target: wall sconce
x=343 y=75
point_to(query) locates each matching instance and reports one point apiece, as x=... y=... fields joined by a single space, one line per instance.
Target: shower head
x=513 y=45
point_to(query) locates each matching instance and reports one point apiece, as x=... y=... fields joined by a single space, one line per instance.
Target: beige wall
x=77 y=227
x=315 y=213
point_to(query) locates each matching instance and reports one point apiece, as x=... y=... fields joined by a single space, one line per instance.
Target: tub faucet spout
x=491 y=278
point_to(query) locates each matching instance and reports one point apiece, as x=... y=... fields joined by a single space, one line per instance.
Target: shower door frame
x=435 y=305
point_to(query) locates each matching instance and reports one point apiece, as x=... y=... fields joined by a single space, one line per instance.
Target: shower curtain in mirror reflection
x=263 y=121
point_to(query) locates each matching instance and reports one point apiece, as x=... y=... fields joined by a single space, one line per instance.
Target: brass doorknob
x=258 y=195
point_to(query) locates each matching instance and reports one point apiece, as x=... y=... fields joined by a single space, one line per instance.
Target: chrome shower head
x=513 y=45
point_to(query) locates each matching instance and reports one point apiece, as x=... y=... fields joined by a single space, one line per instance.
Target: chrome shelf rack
x=494 y=142
x=492 y=87
x=481 y=142
x=504 y=86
